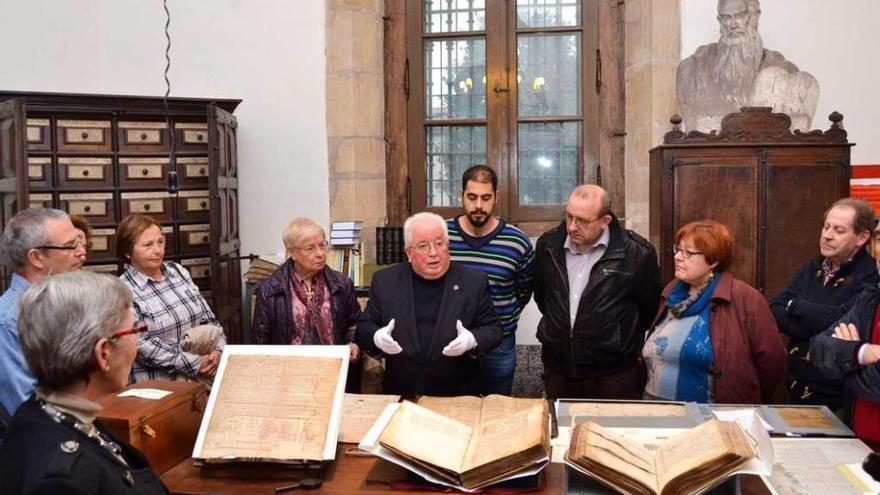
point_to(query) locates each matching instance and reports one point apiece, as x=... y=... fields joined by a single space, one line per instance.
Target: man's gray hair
x=424 y=216
x=25 y=231
x=61 y=318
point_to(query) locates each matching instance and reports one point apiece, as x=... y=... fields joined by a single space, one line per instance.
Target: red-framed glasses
x=138 y=327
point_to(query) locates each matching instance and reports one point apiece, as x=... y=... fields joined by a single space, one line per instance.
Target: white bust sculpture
x=737 y=71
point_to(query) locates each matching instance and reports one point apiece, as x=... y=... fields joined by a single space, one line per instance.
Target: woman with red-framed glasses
x=79 y=341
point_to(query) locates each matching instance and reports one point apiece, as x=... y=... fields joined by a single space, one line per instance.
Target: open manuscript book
x=689 y=462
x=489 y=441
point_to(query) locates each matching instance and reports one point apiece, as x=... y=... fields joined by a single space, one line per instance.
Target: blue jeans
x=498 y=366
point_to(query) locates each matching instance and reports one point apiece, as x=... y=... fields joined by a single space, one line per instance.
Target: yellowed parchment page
x=506 y=436
x=272 y=408
x=422 y=434
x=615 y=453
x=359 y=412
x=464 y=409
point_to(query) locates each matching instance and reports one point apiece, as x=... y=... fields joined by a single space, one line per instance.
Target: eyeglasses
x=684 y=252
x=425 y=247
x=79 y=242
x=580 y=222
x=315 y=247
x=138 y=327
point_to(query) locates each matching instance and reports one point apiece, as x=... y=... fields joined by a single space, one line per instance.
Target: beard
x=737 y=65
x=478 y=218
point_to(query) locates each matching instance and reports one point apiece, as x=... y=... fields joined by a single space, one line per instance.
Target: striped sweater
x=506 y=255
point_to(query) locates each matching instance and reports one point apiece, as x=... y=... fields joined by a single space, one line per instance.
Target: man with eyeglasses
x=36 y=243
x=597 y=286
x=430 y=319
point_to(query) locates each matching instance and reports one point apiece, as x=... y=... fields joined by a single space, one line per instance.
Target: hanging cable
x=167 y=54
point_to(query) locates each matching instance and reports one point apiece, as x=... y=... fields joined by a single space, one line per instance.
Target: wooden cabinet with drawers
x=105 y=157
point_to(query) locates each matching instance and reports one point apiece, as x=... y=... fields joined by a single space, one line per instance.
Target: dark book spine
x=380 y=246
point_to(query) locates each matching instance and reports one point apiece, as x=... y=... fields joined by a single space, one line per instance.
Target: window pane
x=449 y=151
x=448 y=16
x=548 y=162
x=544 y=13
x=455 y=79
x=548 y=74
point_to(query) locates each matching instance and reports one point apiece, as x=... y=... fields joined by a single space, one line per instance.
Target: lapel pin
x=455 y=287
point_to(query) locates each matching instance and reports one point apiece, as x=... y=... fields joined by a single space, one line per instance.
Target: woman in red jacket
x=714 y=339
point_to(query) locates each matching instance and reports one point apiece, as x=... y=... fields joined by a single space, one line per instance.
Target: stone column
x=355 y=114
x=653 y=51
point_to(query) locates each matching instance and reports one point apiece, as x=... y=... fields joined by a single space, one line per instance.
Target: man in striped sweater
x=481 y=241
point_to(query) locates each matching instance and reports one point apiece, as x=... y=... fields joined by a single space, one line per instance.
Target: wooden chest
x=163 y=429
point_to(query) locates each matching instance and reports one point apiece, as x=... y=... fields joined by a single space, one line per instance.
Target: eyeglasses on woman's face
x=136 y=328
x=685 y=253
x=314 y=248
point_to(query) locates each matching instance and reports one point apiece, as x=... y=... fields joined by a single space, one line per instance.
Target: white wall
x=269 y=53
x=837 y=42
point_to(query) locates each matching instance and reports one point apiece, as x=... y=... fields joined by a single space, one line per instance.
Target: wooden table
x=347 y=475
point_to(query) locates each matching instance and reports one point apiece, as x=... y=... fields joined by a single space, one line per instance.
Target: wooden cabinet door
x=801 y=183
x=13 y=163
x=225 y=242
x=722 y=187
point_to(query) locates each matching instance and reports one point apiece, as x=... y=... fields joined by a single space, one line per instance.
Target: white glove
x=461 y=344
x=382 y=339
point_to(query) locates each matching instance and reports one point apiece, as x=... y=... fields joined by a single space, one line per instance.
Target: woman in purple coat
x=304 y=301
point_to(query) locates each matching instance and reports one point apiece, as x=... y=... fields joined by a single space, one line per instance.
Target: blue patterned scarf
x=693 y=379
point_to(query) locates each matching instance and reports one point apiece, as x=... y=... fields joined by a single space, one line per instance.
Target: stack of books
x=346 y=253
x=260 y=269
x=389 y=245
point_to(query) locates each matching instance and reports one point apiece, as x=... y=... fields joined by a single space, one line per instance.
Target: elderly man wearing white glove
x=430 y=319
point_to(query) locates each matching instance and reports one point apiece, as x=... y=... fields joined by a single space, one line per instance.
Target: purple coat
x=273 y=312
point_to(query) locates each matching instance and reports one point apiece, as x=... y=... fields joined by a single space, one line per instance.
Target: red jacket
x=749 y=355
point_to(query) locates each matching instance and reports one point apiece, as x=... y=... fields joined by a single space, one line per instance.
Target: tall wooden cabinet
x=105 y=157
x=769 y=184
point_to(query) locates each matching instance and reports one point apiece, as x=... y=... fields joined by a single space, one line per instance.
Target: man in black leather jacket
x=597 y=286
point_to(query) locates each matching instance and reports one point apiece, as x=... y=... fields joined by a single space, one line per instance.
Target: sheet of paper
x=809 y=466
x=859 y=478
x=145 y=393
x=625 y=409
x=559 y=445
x=275 y=404
x=744 y=416
x=359 y=412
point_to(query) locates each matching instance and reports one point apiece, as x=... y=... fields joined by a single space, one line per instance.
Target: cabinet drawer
x=102 y=244
x=85 y=173
x=191 y=136
x=143 y=136
x=40 y=201
x=97 y=207
x=84 y=135
x=170 y=240
x=193 y=171
x=40 y=172
x=195 y=239
x=111 y=269
x=199 y=270
x=158 y=205
x=193 y=206
x=39 y=137
x=139 y=173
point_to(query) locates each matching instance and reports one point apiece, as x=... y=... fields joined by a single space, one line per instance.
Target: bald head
x=593 y=194
x=587 y=215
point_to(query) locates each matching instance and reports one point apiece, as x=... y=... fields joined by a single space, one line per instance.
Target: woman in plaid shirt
x=167 y=300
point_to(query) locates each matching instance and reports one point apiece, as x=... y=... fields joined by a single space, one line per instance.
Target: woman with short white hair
x=304 y=301
x=79 y=340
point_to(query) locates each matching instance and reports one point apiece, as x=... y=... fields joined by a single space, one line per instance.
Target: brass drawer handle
x=87 y=208
x=147 y=206
x=200 y=137
x=143 y=136
x=85 y=173
x=204 y=238
x=146 y=429
x=204 y=204
x=84 y=134
x=145 y=171
x=202 y=171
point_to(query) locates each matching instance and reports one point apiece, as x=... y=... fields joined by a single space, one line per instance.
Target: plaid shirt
x=170 y=307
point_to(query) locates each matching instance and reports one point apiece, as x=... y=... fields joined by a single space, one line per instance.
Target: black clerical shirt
x=427 y=295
